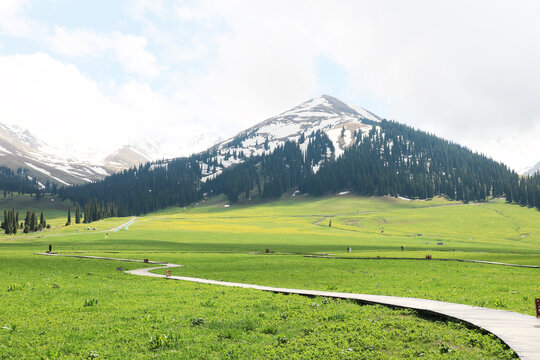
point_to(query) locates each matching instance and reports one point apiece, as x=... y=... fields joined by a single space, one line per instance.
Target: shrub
x=91 y=302
x=197 y=321
x=270 y=330
x=164 y=341
x=14 y=287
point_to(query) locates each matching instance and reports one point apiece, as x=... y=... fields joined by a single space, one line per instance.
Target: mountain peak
x=325 y=105
x=342 y=123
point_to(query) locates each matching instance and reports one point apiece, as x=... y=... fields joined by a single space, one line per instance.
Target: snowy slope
x=69 y=166
x=325 y=113
x=531 y=170
x=342 y=124
x=20 y=149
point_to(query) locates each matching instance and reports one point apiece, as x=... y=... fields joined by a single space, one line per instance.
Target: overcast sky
x=105 y=73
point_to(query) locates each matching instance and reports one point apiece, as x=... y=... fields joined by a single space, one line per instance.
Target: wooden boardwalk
x=431 y=259
x=519 y=331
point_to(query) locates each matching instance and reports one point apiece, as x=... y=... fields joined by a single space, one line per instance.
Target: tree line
x=11 y=224
x=525 y=191
x=19 y=182
x=139 y=190
x=391 y=159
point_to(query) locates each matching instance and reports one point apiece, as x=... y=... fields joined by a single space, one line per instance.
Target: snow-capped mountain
x=531 y=170
x=19 y=148
x=342 y=123
x=126 y=157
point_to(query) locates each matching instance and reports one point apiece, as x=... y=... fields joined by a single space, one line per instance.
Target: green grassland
x=71 y=308
x=43 y=315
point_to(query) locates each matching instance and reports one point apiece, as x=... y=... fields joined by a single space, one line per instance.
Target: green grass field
x=42 y=312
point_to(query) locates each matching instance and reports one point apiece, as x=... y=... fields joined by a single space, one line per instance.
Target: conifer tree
x=42 y=222
x=27 y=218
x=68 y=222
x=33 y=222
x=14 y=221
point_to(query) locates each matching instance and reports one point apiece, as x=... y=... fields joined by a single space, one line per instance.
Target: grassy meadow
x=74 y=308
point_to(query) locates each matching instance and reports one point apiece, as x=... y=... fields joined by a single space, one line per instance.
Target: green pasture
x=229 y=243
x=65 y=308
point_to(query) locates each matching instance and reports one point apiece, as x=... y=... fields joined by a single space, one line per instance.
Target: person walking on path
x=50 y=248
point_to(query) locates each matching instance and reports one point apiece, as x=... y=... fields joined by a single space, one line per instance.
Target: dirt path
x=321 y=220
x=126 y=225
x=42 y=235
x=519 y=331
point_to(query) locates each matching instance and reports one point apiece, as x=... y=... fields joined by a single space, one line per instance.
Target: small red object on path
x=537 y=301
x=168 y=273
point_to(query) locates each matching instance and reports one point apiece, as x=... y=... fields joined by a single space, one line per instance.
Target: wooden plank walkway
x=519 y=331
x=410 y=258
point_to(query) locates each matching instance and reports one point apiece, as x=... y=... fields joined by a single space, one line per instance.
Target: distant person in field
x=50 y=248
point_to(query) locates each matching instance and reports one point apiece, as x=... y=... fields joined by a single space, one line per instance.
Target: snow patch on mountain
x=365 y=113
x=4 y=150
x=343 y=124
x=530 y=170
x=37 y=168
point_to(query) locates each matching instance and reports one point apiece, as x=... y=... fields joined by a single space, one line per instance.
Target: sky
x=100 y=74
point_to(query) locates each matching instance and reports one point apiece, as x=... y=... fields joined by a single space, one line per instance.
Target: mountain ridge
x=321 y=146
x=20 y=149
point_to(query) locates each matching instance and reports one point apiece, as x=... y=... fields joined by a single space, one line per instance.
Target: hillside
x=340 y=122
x=531 y=170
x=41 y=163
x=20 y=149
x=320 y=147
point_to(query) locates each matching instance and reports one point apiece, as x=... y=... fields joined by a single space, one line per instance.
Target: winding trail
x=519 y=331
x=432 y=259
x=124 y=225
x=44 y=235
x=321 y=220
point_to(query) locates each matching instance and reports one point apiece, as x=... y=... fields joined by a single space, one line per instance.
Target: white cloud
x=464 y=70
x=12 y=19
x=10 y=8
x=257 y=67
x=131 y=53
x=127 y=50
x=79 y=42
x=138 y=9
x=62 y=106
x=189 y=13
